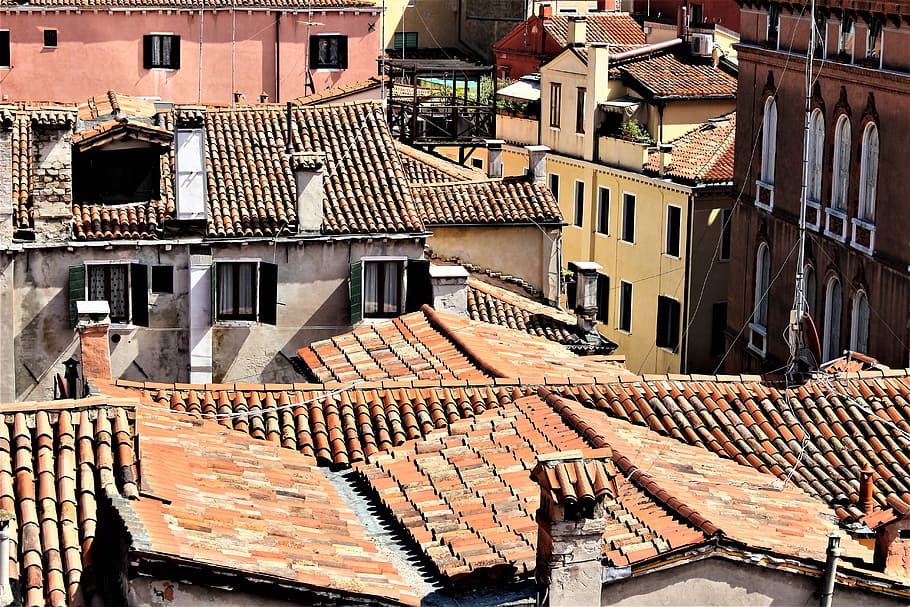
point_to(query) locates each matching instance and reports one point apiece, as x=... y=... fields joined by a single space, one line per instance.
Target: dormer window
x=118 y=162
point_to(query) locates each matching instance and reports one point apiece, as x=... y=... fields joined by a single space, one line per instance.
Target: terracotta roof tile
x=842 y=420
x=498 y=201
x=233 y=502
x=676 y=75
x=423 y=168
x=337 y=93
x=703 y=155
x=186 y=4
x=616 y=29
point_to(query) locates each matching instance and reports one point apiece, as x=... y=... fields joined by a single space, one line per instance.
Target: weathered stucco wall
x=528 y=252
x=720 y=582
x=313 y=303
x=149 y=592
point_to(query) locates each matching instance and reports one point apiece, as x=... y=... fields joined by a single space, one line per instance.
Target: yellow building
x=643 y=174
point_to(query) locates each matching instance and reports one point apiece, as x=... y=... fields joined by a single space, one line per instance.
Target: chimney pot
x=238 y=96
x=263 y=97
x=308 y=173
x=537 y=162
x=867 y=488
x=494 y=158
x=578 y=26
x=546 y=12
x=450 y=289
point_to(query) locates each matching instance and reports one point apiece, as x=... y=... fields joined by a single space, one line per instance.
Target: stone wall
x=7 y=212
x=52 y=174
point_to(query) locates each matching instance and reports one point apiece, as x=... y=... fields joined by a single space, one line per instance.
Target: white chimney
x=578 y=30
x=308 y=172
x=450 y=289
x=494 y=158
x=537 y=162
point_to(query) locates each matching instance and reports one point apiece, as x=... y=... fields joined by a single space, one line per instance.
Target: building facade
x=857 y=288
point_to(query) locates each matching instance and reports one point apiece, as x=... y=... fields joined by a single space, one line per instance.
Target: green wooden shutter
x=139 y=294
x=356 y=289
x=76 y=290
x=268 y=293
x=419 y=288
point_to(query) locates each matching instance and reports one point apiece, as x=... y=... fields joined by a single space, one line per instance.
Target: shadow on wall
x=42 y=346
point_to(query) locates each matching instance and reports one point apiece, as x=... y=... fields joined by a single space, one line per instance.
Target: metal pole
x=827 y=590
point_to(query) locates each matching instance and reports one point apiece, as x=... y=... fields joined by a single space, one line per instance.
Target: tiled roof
x=672 y=75
x=109 y=131
x=423 y=168
x=465 y=496
x=230 y=501
x=57 y=462
x=407 y=347
x=818 y=436
x=341 y=91
x=113 y=103
x=189 y=5
x=338 y=425
x=703 y=155
x=497 y=201
x=430 y=344
x=572 y=481
x=616 y=29
x=251 y=186
x=108 y=222
x=496 y=305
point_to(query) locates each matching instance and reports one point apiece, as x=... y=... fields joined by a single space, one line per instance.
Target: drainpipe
x=827 y=591
x=6 y=596
x=687 y=269
x=277 y=56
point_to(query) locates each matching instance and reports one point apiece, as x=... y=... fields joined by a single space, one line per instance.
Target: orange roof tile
x=253 y=508
x=703 y=155
x=186 y=4
x=424 y=168
x=616 y=29
x=337 y=93
x=671 y=74
x=498 y=201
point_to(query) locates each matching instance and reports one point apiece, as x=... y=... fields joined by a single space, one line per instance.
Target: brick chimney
x=450 y=289
x=570 y=525
x=578 y=30
x=867 y=488
x=308 y=172
x=93 y=324
x=537 y=163
x=494 y=158
x=892 y=548
x=546 y=12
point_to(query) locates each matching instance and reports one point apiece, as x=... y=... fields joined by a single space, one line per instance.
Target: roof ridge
x=449 y=332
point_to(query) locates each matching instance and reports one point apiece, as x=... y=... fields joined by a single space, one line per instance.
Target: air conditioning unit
x=702 y=44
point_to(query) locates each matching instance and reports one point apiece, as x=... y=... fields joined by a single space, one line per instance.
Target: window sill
x=162 y=69
x=628 y=242
x=669 y=256
x=554 y=128
x=235 y=324
x=328 y=69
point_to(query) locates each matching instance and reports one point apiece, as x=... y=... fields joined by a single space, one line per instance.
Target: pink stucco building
x=182 y=51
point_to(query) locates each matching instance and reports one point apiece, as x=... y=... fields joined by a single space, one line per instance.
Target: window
x=628 y=217
x=696 y=13
x=674 y=219
x=554 y=186
x=477 y=163
x=718 y=328
x=603 y=298
x=868 y=173
x=377 y=286
x=810 y=289
x=726 y=229
x=555 y=104
x=841 y=171
x=859 y=334
x=874 y=39
x=603 y=210
x=50 y=38
x=4 y=50
x=245 y=290
x=845 y=40
x=580 y=110
x=117 y=176
x=816 y=154
x=821 y=34
x=329 y=52
x=162 y=279
x=758 y=328
x=773 y=24
x=405 y=40
x=667 y=323
x=833 y=303
x=161 y=51
x=124 y=286
x=579 y=203
x=769 y=141
x=625 y=306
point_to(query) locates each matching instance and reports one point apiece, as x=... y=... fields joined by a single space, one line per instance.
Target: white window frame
x=679 y=242
x=765 y=185
x=758 y=327
x=220 y=285
x=868 y=190
x=128 y=295
x=831 y=350
x=840 y=173
x=402 y=289
x=816 y=168
x=622 y=230
x=619 y=317
x=859 y=326
x=578 y=219
x=600 y=209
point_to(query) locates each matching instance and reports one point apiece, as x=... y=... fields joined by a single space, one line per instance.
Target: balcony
x=622 y=153
x=863 y=236
x=517 y=128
